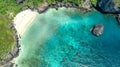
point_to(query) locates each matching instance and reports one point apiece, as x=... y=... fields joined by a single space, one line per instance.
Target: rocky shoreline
x=44 y=7
x=6 y=62
x=88 y=7
x=70 y=5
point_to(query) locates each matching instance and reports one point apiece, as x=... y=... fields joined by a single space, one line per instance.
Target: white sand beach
x=21 y=23
x=23 y=20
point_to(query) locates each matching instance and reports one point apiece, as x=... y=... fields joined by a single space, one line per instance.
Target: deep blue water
x=63 y=39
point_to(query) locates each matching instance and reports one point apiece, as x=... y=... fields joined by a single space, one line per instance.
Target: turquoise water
x=63 y=39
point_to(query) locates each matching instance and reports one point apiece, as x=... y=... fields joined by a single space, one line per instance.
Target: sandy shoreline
x=21 y=23
x=23 y=20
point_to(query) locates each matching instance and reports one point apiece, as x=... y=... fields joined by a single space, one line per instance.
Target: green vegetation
x=6 y=37
x=8 y=9
x=94 y=2
x=10 y=6
x=117 y=2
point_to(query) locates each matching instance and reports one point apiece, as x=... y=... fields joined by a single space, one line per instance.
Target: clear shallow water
x=62 y=39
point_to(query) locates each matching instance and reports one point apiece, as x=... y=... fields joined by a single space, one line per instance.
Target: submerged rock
x=98 y=29
x=107 y=6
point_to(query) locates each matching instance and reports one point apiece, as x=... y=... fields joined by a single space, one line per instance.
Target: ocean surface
x=62 y=38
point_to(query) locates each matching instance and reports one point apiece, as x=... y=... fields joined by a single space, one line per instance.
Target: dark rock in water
x=98 y=29
x=67 y=5
x=107 y=6
x=59 y=5
x=8 y=65
x=19 y=1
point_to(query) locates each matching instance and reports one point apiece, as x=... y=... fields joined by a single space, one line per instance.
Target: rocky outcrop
x=6 y=62
x=19 y=1
x=14 y=52
x=42 y=8
x=107 y=6
x=118 y=18
x=97 y=29
x=45 y=6
x=87 y=4
x=62 y=4
x=86 y=8
x=8 y=65
x=8 y=57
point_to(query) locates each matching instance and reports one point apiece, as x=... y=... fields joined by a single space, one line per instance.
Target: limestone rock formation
x=108 y=6
x=87 y=4
x=118 y=18
x=8 y=65
x=43 y=7
x=98 y=29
